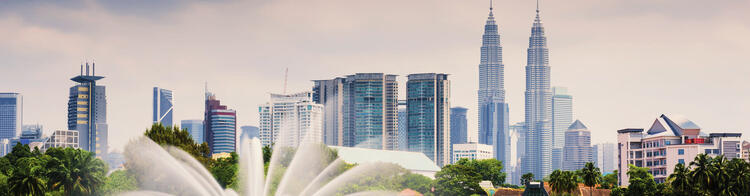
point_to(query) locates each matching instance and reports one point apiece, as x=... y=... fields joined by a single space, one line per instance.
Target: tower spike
x=93 y=68
x=537 y=7
x=490 y=5
x=81 y=69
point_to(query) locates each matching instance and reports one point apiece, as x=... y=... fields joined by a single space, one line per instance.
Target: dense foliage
x=174 y=136
x=563 y=181
x=526 y=178
x=65 y=171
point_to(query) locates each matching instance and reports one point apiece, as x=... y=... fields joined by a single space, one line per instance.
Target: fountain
x=309 y=169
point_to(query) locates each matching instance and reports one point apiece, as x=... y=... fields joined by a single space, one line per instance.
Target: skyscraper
x=562 y=117
x=195 y=128
x=219 y=125
x=163 y=106
x=496 y=131
x=402 y=126
x=250 y=131
x=538 y=116
x=491 y=93
x=577 y=150
x=428 y=115
x=290 y=120
x=361 y=110
x=459 y=131
x=11 y=115
x=605 y=156
x=87 y=112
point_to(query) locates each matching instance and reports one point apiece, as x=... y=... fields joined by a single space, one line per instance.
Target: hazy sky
x=624 y=62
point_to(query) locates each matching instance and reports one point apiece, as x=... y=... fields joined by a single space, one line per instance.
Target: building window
x=680 y=151
x=681 y=161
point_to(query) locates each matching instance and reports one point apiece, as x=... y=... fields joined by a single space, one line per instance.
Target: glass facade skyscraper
x=577 y=150
x=195 y=128
x=562 y=117
x=538 y=97
x=11 y=115
x=219 y=125
x=491 y=91
x=87 y=112
x=163 y=106
x=459 y=129
x=428 y=115
x=360 y=110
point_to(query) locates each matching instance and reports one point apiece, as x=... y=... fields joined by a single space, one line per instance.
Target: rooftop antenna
x=537 y=6
x=81 y=68
x=93 y=68
x=286 y=77
x=490 y=5
x=87 y=68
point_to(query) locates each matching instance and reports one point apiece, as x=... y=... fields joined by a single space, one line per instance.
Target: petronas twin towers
x=493 y=110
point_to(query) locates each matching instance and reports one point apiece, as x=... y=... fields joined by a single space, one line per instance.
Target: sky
x=624 y=62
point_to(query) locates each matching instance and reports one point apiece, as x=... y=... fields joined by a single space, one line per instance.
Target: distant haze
x=624 y=62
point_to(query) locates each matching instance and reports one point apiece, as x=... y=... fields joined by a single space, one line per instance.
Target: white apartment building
x=291 y=119
x=62 y=139
x=472 y=151
x=667 y=143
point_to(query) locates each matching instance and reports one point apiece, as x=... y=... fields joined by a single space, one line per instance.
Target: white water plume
x=310 y=169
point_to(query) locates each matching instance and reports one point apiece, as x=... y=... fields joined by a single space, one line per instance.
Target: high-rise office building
x=605 y=157
x=493 y=111
x=62 y=139
x=538 y=98
x=87 y=112
x=289 y=120
x=11 y=115
x=428 y=113
x=250 y=131
x=219 y=126
x=577 y=149
x=402 y=126
x=163 y=106
x=195 y=128
x=562 y=117
x=459 y=131
x=360 y=110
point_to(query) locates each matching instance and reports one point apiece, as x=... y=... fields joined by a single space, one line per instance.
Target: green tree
x=739 y=176
x=28 y=177
x=563 y=181
x=457 y=180
x=4 y=186
x=488 y=169
x=590 y=176
x=609 y=181
x=641 y=182
x=526 y=178
x=225 y=170
x=119 y=181
x=174 y=136
x=680 y=180
x=75 y=171
x=702 y=172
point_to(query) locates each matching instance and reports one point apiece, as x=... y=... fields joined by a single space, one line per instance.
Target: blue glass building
x=428 y=115
x=220 y=126
x=459 y=130
x=163 y=106
x=11 y=114
x=195 y=128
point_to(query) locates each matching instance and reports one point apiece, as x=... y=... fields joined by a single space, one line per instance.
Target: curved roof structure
x=414 y=161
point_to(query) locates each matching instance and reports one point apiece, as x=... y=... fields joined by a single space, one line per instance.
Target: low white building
x=472 y=151
x=416 y=162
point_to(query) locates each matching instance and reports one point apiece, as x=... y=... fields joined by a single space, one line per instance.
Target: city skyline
x=640 y=59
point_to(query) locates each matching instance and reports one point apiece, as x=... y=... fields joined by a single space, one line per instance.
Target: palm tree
x=555 y=181
x=680 y=180
x=77 y=171
x=739 y=176
x=702 y=171
x=719 y=181
x=27 y=178
x=526 y=178
x=590 y=175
